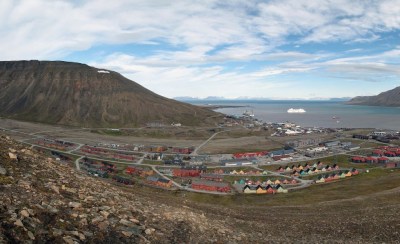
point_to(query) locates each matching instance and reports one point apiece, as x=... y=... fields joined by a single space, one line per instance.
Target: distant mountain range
x=389 y=98
x=76 y=94
x=212 y=98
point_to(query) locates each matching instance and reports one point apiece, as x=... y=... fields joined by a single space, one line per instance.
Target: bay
x=327 y=114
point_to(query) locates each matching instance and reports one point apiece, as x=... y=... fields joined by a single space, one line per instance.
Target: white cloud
x=195 y=41
x=196 y=81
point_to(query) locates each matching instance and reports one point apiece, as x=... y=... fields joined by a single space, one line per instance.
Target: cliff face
x=80 y=95
x=389 y=98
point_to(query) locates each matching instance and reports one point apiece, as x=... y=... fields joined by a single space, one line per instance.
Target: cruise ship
x=296 y=110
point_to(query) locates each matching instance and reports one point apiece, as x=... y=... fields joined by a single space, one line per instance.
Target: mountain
x=340 y=99
x=389 y=98
x=76 y=94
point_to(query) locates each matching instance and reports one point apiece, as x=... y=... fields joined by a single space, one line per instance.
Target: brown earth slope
x=79 y=95
x=44 y=201
x=389 y=98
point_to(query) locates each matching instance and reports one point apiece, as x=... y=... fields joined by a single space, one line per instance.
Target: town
x=320 y=156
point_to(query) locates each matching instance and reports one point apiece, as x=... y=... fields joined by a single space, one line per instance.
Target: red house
x=250 y=154
x=205 y=185
x=212 y=177
x=371 y=160
x=186 y=172
x=354 y=171
x=392 y=165
x=383 y=160
x=270 y=189
x=357 y=159
x=183 y=150
x=377 y=152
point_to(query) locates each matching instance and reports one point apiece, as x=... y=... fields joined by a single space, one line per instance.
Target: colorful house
x=270 y=189
x=354 y=171
x=315 y=170
x=383 y=160
x=212 y=177
x=160 y=182
x=392 y=165
x=250 y=189
x=280 y=189
x=321 y=179
x=261 y=190
x=371 y=160
x=210 y=186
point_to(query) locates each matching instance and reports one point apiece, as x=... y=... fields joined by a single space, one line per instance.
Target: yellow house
x=348 y=174
x=260 y=190
x=277 y=182
x=241 y=172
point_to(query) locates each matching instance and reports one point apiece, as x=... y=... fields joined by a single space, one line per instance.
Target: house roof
x=209 y=183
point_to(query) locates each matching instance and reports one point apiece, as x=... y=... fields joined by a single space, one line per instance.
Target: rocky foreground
x=43 y=201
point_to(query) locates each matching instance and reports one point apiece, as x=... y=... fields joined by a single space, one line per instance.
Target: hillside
x=44 y=201
x=79 y=95
x=389 y=98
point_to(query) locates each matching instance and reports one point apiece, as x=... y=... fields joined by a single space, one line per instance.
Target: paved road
x=78 y=167
x=303 y=183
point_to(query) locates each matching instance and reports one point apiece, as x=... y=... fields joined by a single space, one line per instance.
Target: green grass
x=342 y=160
x=108 y=132
x=364 y=184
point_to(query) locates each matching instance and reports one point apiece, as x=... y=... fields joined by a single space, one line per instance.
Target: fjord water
x=328 y=114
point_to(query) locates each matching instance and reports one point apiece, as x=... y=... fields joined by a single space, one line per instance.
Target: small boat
x=296 y=110
x=248 y=113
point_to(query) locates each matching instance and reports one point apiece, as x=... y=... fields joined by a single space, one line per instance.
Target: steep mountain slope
x=80 y=95
x=389 y=98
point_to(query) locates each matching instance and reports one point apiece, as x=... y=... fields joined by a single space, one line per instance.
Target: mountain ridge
x=389 y=98
x=67 y=93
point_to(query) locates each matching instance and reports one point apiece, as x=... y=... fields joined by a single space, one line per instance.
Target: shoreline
x=213 y=107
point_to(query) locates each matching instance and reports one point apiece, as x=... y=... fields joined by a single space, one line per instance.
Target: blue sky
x=274 y=49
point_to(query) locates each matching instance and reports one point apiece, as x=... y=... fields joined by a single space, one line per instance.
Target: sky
x=280 y=49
